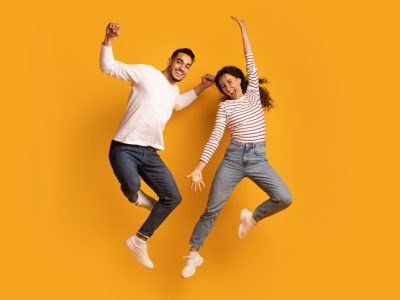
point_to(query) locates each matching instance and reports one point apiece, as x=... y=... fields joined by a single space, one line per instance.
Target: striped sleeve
x=253 y=88
x=216 y=135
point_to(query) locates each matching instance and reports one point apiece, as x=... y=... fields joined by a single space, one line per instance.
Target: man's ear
x=169 y=61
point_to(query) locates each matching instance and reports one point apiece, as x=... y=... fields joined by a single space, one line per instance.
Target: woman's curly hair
x=266 y=99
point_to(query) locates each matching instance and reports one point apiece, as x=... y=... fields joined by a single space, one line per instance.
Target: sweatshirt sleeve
x=185 y=99
x=115 y=68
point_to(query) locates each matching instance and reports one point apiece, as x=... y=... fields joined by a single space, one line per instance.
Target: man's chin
x=176 y=79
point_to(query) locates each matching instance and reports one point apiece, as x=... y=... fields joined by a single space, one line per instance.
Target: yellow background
x=333 y=136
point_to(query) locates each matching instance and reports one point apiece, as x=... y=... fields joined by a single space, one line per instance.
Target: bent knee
x=130 y=190
x=285 y=200
x=177 y=199
x=172 y=199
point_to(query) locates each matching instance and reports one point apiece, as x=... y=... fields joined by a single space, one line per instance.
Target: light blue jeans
x=242 y=160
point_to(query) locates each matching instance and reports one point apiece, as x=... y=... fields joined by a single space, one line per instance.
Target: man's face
x=179 y=66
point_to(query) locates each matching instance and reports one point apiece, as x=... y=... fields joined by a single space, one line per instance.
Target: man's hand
x=207 y=80
x=112 y=31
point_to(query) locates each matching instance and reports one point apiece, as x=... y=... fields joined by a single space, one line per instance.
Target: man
x=133 y=149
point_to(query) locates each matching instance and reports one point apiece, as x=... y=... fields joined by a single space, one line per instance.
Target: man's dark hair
x=186 y=51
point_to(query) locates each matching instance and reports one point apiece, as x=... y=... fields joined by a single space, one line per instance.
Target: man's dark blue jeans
x=132 y=162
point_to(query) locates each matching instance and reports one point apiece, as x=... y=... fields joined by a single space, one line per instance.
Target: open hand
x=197 y=181
x=239 y=21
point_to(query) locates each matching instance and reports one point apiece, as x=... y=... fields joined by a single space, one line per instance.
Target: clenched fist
x=112 y=30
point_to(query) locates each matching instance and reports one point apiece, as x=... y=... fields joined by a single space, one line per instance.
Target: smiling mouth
x=180 y=74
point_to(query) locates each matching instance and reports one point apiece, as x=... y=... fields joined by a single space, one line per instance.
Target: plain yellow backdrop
x=333 y=136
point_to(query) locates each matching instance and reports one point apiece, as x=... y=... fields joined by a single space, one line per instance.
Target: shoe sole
x=148 y=206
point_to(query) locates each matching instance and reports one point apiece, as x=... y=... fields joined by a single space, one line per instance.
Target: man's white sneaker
x=246 y=223
x=193 y=260
x=139 y=249
x=145 y=201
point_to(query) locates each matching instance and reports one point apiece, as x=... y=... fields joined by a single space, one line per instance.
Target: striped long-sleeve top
x=244 y=116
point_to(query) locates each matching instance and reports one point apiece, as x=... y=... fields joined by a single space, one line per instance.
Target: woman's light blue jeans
x=242 y=160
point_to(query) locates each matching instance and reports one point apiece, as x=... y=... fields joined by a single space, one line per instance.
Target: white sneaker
x=139 y=248
x=246 y=223
x=145 y=201
x=192 y=262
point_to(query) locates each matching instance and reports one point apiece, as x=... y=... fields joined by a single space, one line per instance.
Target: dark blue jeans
x=132 y=162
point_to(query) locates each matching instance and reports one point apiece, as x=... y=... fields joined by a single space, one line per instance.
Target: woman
x=242 y=111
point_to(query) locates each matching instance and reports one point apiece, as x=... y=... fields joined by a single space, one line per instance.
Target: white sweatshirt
x=150 y=103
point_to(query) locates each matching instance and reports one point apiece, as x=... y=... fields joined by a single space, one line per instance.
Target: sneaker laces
x=190 y=263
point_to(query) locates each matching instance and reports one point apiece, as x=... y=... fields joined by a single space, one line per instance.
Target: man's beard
x=173 y=77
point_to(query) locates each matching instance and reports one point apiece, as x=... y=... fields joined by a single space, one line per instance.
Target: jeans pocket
x=259 y=151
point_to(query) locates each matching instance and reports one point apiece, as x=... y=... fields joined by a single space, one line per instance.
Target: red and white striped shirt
x=244 y=116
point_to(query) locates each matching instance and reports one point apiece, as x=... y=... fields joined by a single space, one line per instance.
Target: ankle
x=193 y=253
x=141 y=237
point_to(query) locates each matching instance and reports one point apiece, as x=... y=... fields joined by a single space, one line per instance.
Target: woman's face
x=230 y=85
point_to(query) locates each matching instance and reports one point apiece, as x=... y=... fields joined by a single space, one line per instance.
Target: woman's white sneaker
x=246 y=223
x=193 y=260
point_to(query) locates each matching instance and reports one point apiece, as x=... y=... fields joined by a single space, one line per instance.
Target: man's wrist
x=107 y=41
x=205 y=85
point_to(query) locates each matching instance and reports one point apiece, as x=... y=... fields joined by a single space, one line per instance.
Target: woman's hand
x=197 y=180
x=240 y=22
x=245 y=36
